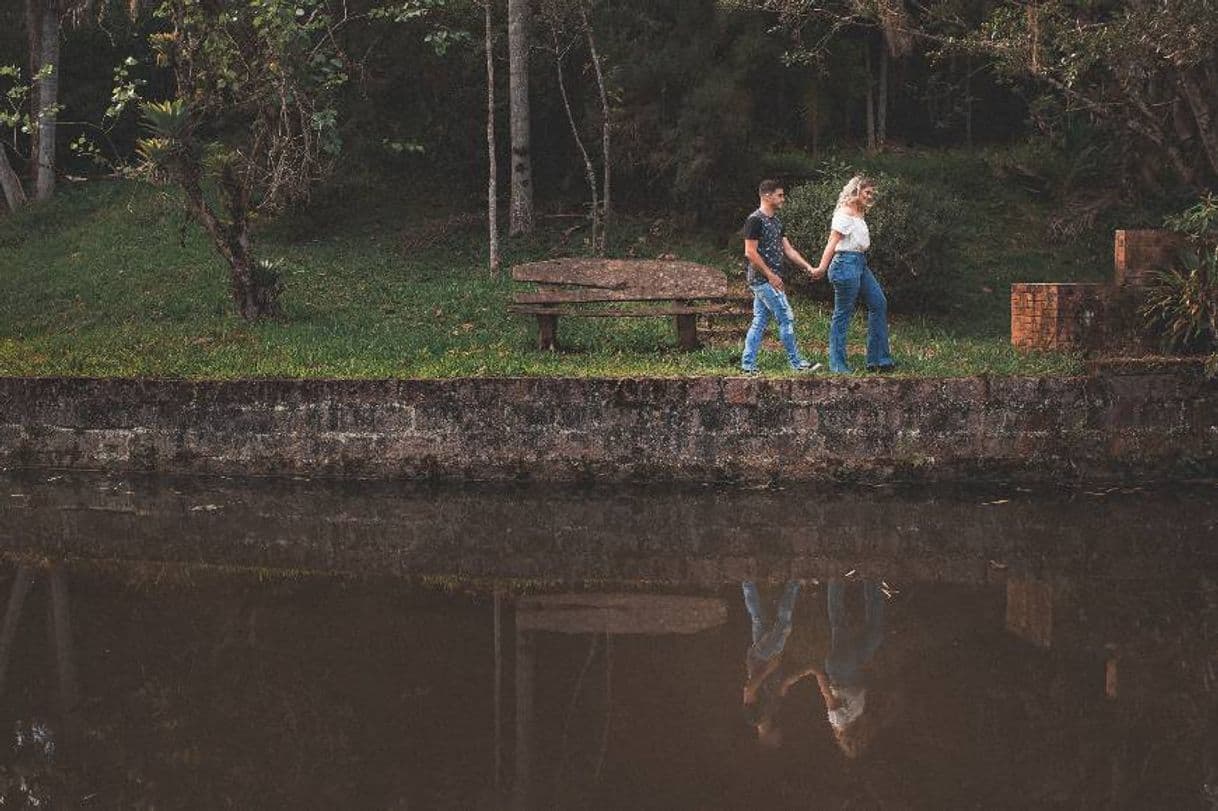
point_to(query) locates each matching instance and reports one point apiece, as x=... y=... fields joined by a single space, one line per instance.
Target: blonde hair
x=852 y=192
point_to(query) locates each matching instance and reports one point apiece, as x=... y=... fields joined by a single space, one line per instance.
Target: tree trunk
x=882 y=123
x=589 y=171
x=14 y=194
x=254 y=295
x=1204 y=116
x=492 y=164
x=33 y=35
x=521 y=216
x=605 y=127
x=48 y=100
x=870 y=97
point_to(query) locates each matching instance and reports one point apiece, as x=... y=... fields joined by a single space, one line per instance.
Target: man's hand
x=776 y=282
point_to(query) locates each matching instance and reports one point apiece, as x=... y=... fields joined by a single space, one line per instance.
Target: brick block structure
x=1055 y=315
x=1138 y=253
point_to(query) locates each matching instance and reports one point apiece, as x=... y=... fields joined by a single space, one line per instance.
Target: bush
x=1182 y=305
x=910 y=224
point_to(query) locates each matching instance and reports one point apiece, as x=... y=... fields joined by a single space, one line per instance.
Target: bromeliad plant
x=253 y=124
x=1183 y=302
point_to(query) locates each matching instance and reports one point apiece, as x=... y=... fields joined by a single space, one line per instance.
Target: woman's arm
x=827 y=257
x=822 y=681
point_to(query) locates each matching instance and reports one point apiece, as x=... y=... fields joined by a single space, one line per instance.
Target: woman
x=845 y=262
x=843 y=680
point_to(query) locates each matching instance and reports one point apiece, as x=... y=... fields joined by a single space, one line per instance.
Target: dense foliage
x=1183 y=303
x=911 y=229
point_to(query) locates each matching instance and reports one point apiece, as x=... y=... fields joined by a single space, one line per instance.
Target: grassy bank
x=110 y=279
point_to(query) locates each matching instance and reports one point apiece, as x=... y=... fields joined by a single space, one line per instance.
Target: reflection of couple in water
x=853 y=641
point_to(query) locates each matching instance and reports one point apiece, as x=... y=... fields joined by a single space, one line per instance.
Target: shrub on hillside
x=1182 y=304
x=911 y=225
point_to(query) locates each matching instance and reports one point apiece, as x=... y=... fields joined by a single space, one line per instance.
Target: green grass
x=110 y=279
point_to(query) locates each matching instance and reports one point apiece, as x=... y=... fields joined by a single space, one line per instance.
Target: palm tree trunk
x=521 y=215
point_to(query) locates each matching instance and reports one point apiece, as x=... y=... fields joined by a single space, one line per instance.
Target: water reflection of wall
x=701 y=536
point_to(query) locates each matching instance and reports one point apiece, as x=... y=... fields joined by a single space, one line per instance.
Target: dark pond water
x=218 y=643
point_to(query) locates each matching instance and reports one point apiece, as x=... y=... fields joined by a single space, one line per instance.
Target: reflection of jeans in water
x=769 y=642
x=853 y=647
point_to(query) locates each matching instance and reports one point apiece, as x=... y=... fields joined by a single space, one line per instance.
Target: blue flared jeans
x=853 y=646
x=852 y=279
x=767 y=303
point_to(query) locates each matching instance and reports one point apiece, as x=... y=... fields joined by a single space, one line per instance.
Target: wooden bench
x=625 y=288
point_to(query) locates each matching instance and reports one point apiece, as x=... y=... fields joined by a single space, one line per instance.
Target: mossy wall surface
x=1134 y=421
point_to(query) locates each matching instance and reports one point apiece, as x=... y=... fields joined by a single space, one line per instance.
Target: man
x=767 y=685
x=765 y=245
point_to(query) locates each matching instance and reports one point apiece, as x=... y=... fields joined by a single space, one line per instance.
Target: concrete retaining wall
x=1129 y=421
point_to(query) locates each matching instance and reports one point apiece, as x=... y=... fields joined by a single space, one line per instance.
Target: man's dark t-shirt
x=768 y=232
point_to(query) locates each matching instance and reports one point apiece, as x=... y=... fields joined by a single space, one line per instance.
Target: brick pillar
x=1054 y=316
x=1139 y=252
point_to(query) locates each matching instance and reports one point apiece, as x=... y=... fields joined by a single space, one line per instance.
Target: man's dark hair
x=768 y=187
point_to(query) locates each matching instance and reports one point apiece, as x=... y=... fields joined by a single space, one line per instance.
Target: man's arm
x=796 y=678
x=827 y=257
x=771 y=275
x=754 y=684
x=789 y=251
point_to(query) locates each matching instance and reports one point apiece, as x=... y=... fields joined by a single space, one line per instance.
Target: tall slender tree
x=492 y=164
x=43 y=30
x=606 y=203
x=521 y=216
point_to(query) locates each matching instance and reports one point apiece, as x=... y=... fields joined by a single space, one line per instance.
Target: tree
x=254 y=115
x=606 y=204
x=1145 y=70
x=492 y=167
x=12 y=120
x=881 y=25
x=43 y=18
x=559 y=21
x=521 y=215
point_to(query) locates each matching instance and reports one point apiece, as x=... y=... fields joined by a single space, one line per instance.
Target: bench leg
x=687 y=331
x=547 y=333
